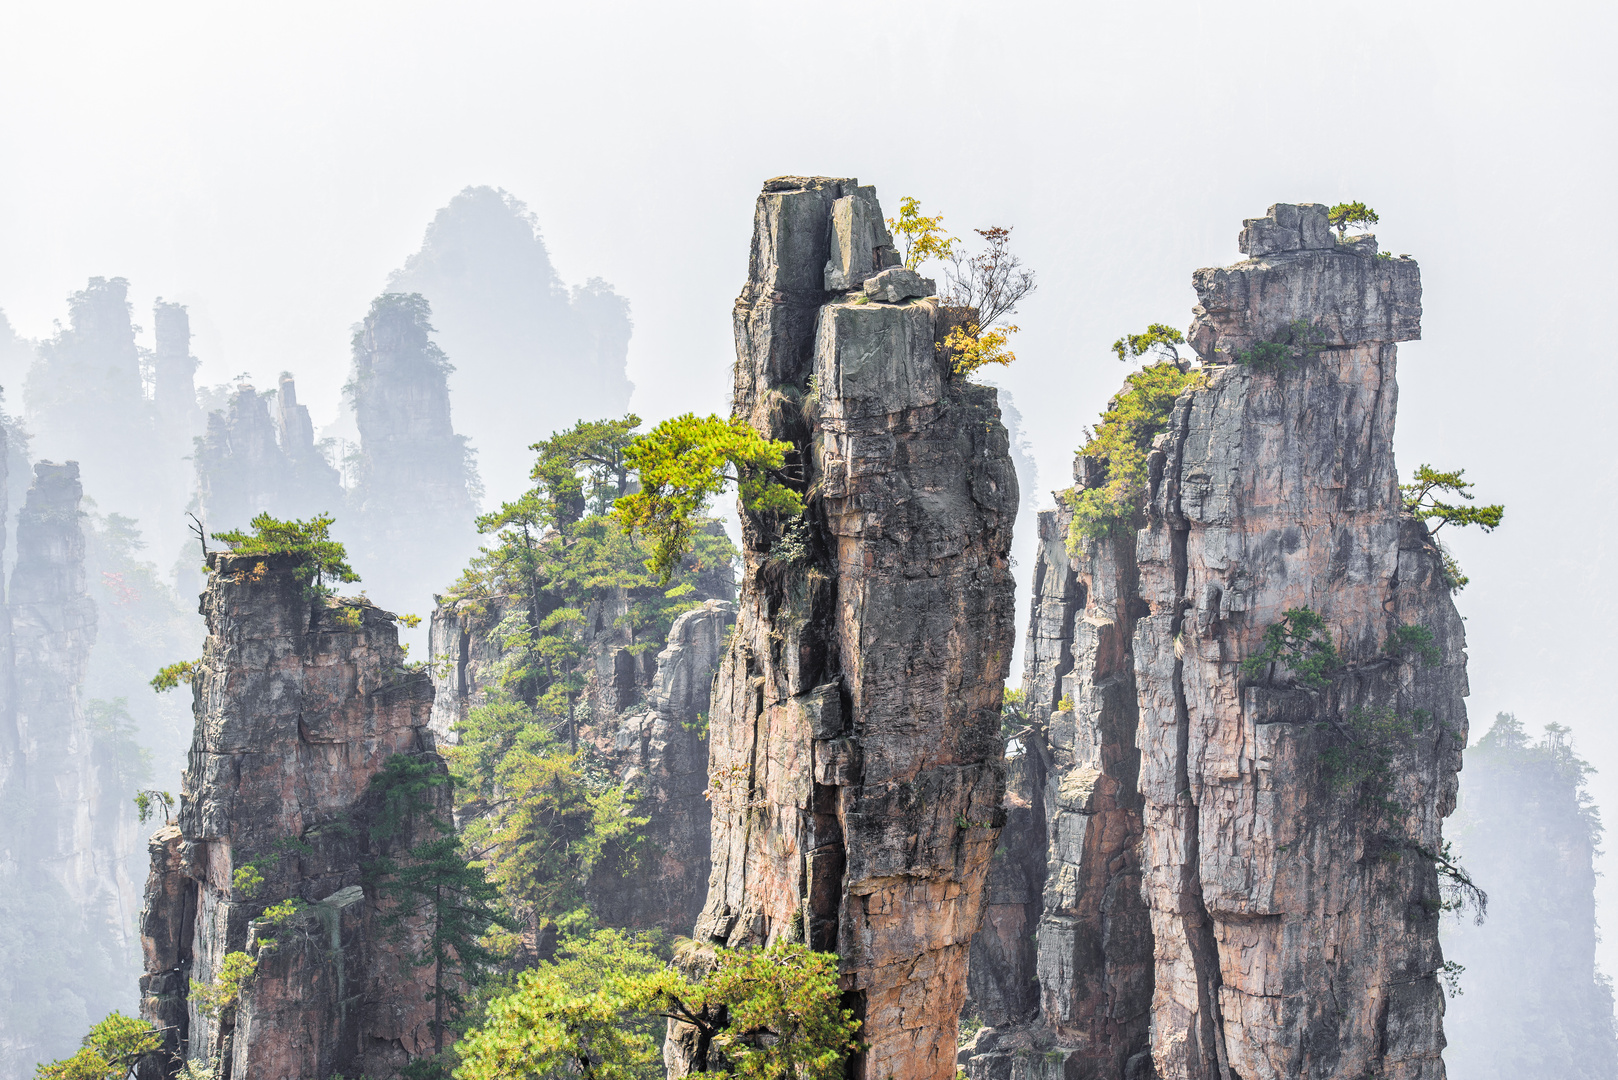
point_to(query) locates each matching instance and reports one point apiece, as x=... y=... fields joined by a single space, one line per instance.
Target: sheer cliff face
x=1224 y=896
x=296 y=711
x=855 y=763
x=1534 y=1003
x=85 y=402
x=412 y=504
x=66 y=932
x=516 y=331
x=1296 y=922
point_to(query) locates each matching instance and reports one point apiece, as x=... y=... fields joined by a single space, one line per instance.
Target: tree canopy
x=683 y=463
x=1351 y=215
x=318 y=556
x=111 y=1051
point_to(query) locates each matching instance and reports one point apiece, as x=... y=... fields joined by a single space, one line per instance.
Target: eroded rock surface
x=856 y=773
x=300 y=703
x=1225 y=897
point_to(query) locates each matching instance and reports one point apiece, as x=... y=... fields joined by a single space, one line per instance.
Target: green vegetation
x=215 y=998
x=1351 y=215
x=147 y=802
x=111 y=1051
x=436 y=884
x=546 y=819
x=559 y=548
x=923 y=237
x=174 y=674
x=1420 y=498
x=761 y=1014
x=1298 y=342
x=1160 y=342
x=317 y=556
x=1417 y=639
x=1300 y=644
x=682 y=464
x=1136 y=416
x=971 y=348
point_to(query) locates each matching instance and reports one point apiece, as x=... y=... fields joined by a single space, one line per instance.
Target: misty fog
x=211 y=219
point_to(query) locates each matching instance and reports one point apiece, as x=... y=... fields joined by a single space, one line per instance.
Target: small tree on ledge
x=317 y=555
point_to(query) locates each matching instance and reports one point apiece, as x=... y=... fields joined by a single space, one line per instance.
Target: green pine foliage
x=1427 y=498
x=436 y=883
x=1351 y=215
x=682 y=464
x=1123 y=439
x=559 y=547
x=545 y=818
x=112 y=1050
x=1300 y=644
x=317 y=556
x=599 y=1011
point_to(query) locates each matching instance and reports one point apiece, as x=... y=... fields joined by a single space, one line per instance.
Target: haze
x=270 y=166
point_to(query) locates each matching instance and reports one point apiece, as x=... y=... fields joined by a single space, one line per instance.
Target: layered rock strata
x=1241 y=875
x=300 y=702
x=855 y=761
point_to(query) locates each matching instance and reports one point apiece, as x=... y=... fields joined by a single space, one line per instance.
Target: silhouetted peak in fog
x=517 y=333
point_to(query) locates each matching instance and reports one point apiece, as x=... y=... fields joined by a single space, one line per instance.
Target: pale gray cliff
x=67 y=902
x=411 y=511
x=250 y=462
x=855 y=759
x=516 y=331
x=1242 y=873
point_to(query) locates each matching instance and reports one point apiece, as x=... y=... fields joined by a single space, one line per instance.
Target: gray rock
x=860 y=243
x=898 y=283
x=867 y=829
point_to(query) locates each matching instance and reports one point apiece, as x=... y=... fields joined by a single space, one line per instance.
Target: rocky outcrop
x=67 y=932
x=300 y=703
x=412 y=505
x=660 y=753
x=85 y=402
x=250 y=463
x=174 y=390
x=856 y=774
x=1241 y=876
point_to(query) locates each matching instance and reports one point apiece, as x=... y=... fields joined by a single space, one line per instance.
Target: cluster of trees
x=980 y=288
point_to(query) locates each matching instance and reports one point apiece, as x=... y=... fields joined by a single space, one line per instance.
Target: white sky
x=269 y=164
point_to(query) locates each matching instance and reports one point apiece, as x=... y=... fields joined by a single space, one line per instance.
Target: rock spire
x=855 y=760
x=299 y=704
x=1242 y=873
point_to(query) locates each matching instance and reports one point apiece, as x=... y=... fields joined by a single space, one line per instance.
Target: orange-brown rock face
x=855 y=764
x=296 y=711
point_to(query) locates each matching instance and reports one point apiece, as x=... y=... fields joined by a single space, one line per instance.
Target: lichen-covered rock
x=300 y=703
x=855 y=771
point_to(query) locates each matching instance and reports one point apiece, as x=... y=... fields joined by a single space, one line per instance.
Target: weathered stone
x=1216 y=904
x=860 y=243
x=899 y=283
x=660 y=753
x=296 y=711
x=1295 y=927
x=875 y=842
x=1343 y=293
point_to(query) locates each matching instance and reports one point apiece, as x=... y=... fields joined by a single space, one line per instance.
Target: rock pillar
x=300 y=702
x=855 y=760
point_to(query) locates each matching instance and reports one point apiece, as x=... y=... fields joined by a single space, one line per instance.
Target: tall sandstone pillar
x=300 y=702
x=1223 y=898
x=855 y=761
